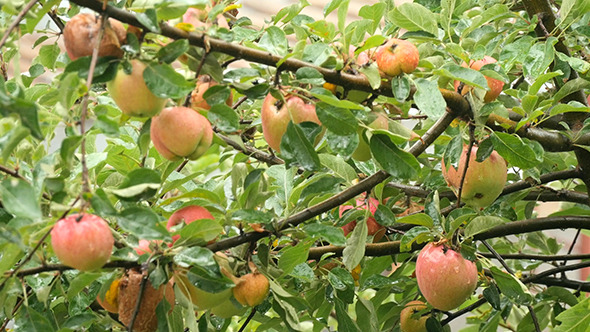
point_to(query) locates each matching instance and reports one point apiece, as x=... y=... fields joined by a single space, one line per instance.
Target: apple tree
x=170 y=166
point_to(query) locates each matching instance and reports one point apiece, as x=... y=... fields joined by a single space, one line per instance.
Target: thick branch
x=61 y=267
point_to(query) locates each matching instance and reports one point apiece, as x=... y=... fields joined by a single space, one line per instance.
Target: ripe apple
x=276 y=114
x=251 y=289
x=444 y=277
x=204 y=82
x=397 y=56
x=110 y=301
x=494 y=84
x=483 y=182
x=143 y=246
x=374 y=228
x=409 y=323
x=363 y=151
x=180 y=132
x=146 y=319
x=81 y=33
x=82 y=241
x=187 y=214
x=199 y=18
x=131 y=93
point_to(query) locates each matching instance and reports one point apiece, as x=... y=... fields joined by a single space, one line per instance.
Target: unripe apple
x=187 y=215
x=129 y=288
x=251 y=289
x=483 y=182
x=82 y=241
x=131 y=93
x=204 y=82
x=494 y=84
x=445 y=278
x=409 y=323
x=110 y=302
x=276 y=114
x=81 y=34
x=363 y=151
x=374 y=228
x=397 y=56
x=228 y=309
x=180 y=132
x=202 y=299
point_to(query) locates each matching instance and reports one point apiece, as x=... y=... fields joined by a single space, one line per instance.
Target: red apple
x=129 y=288
x=180 y=132
x=204 y=82
x=483 y=182
x=363 y=151
x=374 y=228
x=131 y=93
x=494 y=84
x=397 y=56
x=81 y=34
x=409 y=323
x=187 y=214
x=276 y=114
x=82 y=241
x=143 y=246
x=251 y=289
x=444 y=277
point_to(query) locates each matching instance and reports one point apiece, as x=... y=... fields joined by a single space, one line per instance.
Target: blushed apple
x=483 y=182
x=444 y=277
x=374 y=228
x=82 y=241
x=276 y=114
x=181 y=132
x=397 y=56
x=187 y=215
x=204 y=82
x=251 y=289
x=132 y=95
x=495 y=86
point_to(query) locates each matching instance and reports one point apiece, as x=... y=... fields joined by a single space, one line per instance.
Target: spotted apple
x=397 y=56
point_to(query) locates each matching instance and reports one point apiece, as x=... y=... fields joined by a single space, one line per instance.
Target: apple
x=129 y=288
x=445 y=278
x=483 y=182
x=132 y=95
x=81 y=33
x=228 y=309
x=374 y=228
x=199 y=18
x=110 y=301
x=363 y=151
x=187 y=215
x=180 y=132
x=397 y=56
x=143 y=246
x=82 y=241
x=204 y=82
x=494 y=84
x=409 y=323
x=251 y=289
x=276 y=114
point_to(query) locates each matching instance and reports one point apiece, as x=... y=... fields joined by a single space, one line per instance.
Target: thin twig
x=248 y=319
x=252 y=152
x=16 y=21
x=571 y=248
x=467 y=158
x=17 y=175
x=509 y=270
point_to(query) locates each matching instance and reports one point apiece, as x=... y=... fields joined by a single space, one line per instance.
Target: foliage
x=65 y=147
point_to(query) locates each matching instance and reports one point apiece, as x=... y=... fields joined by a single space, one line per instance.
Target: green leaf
x=307 y=75
x=32 y=320
x=481 y=224
x=492 y=295
x=196 y=256
x=392 y=159
x=414 y=17
x=420 y=219
x=569 y=87
x=345 y=322
x=20 y=199
x=290 y=257
x=466 y=75
x=104 y=70
x=80 y=282
x=515 y=151
x=139 y=184
x=400 y=86
x=172 y=51
x=333 y=235
x=575 y=319
x=340 y=121
x=143 y=223
x=201 y=229
x=48 y=55
x=296 y=148
x=165 y=82
x=384 y=216
x=274 y=41
x=330 y=99
x=344 y=145
x=338 y=166
x=11 y=140
x=429 y=99
x=354 y=251
x=224 y=117
x=511 y=287
x=343 y=283
x=149 y=19
x=26 y=110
